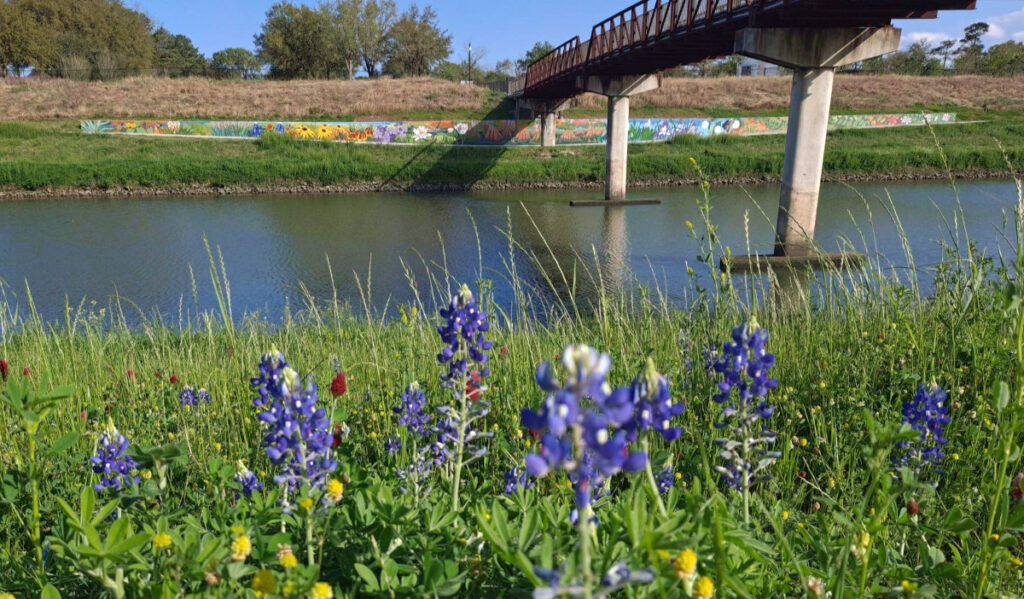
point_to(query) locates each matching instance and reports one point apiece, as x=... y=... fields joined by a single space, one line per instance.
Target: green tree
x=945 y=50
x=176 y=55
x=538 y=50
x=24 y=42
x=373 y=32
x=344 y=48
x=916 y=60
x=417 y=44
x=293 y=40
x=236 y=63
x=971 y=53
x=113 y=39
x=1004 y=60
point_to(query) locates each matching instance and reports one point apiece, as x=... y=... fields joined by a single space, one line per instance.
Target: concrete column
x=618 y=90
x=814 y=55
x=618 y=147
x=805 y=157
x=548 y=129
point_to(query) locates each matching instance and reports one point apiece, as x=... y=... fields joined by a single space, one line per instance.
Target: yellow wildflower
x=162 y=541
x=6 y=596
x=289 y=560
x=306 y=503
x=705 y=589
x=146 y=475
x=321 y=590
x=785 y=515
x=240 y=548
x=686 y=564
x=264 y=582
x=335 y=490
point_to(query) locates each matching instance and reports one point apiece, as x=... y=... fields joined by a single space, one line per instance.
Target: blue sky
x=504 y=33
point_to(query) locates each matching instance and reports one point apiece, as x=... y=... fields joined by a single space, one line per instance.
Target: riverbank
x=52 y=159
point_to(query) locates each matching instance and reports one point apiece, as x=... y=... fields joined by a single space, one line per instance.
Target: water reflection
x=149 y=250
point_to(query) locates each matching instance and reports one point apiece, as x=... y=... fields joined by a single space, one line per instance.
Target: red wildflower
x=174 y=379
x=131 y=373
x=5 y=369
x=82 y=415
x=157 y=374
x=1016 y=490
x=473 y=384
x=912 y=507
x=504 y=350
x=337 y=436
x=339 y=385
x=25 y=371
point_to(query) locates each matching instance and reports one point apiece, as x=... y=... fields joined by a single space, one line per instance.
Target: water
x=274 y=246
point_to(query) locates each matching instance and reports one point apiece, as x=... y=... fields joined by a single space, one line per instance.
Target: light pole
x=469 y=64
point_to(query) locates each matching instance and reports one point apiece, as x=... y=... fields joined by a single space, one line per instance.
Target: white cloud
x=1004 y=27
x=927 y=38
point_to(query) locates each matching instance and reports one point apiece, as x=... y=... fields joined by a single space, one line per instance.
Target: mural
x=496 y=133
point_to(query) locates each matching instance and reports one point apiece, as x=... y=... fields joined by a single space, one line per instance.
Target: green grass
x=34 y=156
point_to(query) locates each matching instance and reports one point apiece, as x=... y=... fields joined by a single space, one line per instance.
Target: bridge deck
x=653 y=35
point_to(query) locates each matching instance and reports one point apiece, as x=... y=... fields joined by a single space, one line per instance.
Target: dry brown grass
x=40 y=99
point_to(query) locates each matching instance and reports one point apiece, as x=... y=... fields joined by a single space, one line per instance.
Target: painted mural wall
x=496 y=133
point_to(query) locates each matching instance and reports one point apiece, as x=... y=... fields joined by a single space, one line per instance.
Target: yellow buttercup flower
x=335 y=490
x=686 y=564
x=264 y=582
x=162 y=541
x=705 y=589
x=241 y=547
x=321 y=590
x=6 y=596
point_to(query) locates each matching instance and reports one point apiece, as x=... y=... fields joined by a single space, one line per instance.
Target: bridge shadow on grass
x=461 y=167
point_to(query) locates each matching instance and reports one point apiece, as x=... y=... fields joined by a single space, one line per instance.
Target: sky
x=504 y=33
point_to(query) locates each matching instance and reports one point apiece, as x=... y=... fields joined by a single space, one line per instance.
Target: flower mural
x=498 y=132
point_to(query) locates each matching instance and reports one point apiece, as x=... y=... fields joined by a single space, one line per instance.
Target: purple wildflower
x=247 y=479
x=111 y=461
x=926 y=413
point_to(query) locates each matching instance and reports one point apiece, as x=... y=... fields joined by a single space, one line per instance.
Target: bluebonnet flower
x=515 y=480
x=666 y=479
x=617 y=577
x=926 y=414
x=412 y=411
x=743 y=365
x=247 y=479
x=581 y=441
x=415 y=476
x=653 y=407
x=111 y=461
x=393 y=445
x=463 y=335
x=190 y=397
x=297 y=431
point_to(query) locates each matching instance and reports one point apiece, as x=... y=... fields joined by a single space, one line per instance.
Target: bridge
x=624 y=54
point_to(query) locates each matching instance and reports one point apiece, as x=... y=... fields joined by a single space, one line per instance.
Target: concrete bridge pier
x=618 y=90
x=549 y=112
x=814 y=55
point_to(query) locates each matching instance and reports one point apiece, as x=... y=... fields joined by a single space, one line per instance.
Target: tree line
x=965 y=56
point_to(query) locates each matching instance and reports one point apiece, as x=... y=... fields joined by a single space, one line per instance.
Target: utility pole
x=469 y=64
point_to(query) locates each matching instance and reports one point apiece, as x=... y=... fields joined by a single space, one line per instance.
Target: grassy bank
x=837 y=513
x=382 y=99
x=53 y=156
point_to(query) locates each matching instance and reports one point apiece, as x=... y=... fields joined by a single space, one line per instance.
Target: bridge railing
x=644 y=21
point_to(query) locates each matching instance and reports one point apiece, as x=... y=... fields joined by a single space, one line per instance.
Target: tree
x=537 y=51
x=916 y=60
x=236 y=63
x=1004 y=60
x=373 y=30
x=945 y=49
x=23 y=40
x=344 y=48
x=971 y=53
x=505 y=68
x=176 y=55
x=292 y=41
x=417 y=44
x=107 y=35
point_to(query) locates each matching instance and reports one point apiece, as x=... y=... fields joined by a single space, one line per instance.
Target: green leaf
x=64 y=443
x=131 y=543
x=368 y=577
x=49 y=592
x=1002 y=398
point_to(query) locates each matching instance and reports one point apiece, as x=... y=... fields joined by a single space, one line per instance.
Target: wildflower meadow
x=866 y=443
